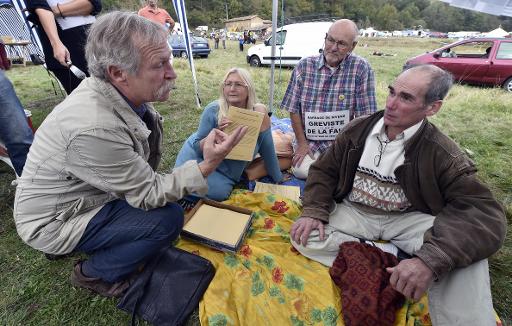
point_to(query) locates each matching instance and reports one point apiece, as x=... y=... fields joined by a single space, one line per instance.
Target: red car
x=481 y=61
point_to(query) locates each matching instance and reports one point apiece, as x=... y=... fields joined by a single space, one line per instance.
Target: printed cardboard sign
x=325 y=125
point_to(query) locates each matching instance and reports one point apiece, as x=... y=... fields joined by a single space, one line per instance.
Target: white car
x=293 y=42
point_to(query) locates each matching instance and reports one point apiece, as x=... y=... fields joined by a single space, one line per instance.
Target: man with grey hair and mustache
x=393 y=176
x=90 y=182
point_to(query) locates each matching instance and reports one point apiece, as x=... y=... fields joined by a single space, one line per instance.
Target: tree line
x=380 y=14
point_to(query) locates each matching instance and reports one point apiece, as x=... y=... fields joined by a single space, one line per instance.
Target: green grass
x=35 y=291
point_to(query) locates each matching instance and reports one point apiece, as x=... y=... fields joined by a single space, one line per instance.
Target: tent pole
x=273 y=56
x=20 y=7
x=179 y=7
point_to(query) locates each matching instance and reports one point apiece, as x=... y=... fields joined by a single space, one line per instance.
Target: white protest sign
x=325 y=125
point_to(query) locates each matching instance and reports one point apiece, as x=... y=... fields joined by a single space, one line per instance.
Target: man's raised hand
x=217 y=145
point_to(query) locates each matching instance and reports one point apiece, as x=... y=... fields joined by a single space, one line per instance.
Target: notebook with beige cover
x=217 y=225
x=244 y=150
x=291 y=192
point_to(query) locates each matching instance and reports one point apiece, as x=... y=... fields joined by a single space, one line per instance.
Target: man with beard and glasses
x=90 y=183
x=326 y=92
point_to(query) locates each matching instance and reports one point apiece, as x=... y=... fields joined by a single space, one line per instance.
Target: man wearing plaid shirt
x=326 y=92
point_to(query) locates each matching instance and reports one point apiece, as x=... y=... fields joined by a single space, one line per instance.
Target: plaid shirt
x=314 y=87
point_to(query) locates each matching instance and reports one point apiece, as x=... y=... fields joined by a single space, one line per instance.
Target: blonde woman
x=236 y=89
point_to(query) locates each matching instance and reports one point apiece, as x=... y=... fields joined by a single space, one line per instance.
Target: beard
x=334 y=58
x=163 y=91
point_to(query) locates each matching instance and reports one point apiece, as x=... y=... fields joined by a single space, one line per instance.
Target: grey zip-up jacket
x=437 y=178
x=91 y=149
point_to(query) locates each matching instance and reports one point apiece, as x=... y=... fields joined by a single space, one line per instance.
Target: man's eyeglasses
x=339 y=44
x=382 y=147
x=236 y=85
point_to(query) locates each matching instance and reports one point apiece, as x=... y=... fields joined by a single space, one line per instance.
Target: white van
x=293 y=42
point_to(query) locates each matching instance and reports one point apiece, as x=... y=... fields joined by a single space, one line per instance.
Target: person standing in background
x=216 y=38
x=15 y=132
x=158 y=15
x=62 y=28
x=223 y=37
x=241 y=41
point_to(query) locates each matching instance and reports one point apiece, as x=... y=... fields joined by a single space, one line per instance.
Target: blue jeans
x=15 y=132
x=219 y=184
x=120 y=238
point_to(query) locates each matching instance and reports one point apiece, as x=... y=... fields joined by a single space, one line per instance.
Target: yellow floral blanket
x=269 y=283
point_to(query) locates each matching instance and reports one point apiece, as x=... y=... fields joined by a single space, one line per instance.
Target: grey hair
x=115 y=39
x=439 y=84
x=251 y=91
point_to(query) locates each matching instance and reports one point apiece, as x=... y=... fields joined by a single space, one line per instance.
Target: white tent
x=13 y=24
x=498 y=32
x=369 y=32
x=493 y=7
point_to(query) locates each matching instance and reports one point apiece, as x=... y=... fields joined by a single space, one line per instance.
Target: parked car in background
x=481 y=61
x=437 y=35
x=200 y=46
x=293 y=42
